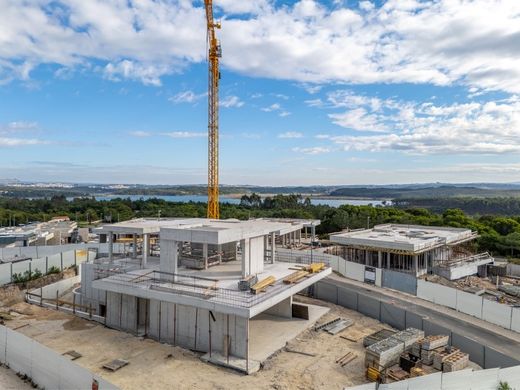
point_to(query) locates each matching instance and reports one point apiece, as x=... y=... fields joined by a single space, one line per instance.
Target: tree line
x=499 y=235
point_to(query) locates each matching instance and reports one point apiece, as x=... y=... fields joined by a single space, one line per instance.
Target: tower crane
x=214 y=54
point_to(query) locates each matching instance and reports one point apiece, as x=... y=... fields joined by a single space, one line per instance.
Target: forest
x=499 y=234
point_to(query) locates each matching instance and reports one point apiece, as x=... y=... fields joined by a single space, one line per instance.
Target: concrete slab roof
x=206 y=230
x=412 y=238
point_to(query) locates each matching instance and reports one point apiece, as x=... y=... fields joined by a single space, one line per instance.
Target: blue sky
x=312 y=92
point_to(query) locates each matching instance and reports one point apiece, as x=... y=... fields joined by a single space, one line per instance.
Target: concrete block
x=326 y=292
x=493 y=359
x=432 y=328
x=496 y=313
x=347 y=298
x=515 y=320
x=393 y=316
x=469 y=346
x=369 y=306
x=413 y=320
x=469 y=303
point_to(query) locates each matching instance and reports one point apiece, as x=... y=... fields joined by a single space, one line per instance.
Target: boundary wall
x=10 y=253
x=464 y=379
x=497 y=313
x=401 y=318
x=45 y=367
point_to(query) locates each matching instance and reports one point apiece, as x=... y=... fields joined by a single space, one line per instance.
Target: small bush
x=53 y=270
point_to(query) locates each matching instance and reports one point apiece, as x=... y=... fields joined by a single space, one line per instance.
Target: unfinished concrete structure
x=57 y=231
x=189 y=295
x=413 y=249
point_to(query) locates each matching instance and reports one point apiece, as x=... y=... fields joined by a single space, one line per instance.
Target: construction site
x=214 y=303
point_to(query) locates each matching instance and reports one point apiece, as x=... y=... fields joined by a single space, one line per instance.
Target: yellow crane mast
x=214 y=53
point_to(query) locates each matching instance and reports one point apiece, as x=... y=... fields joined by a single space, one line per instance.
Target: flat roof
x=206 y=230
x=411 y=238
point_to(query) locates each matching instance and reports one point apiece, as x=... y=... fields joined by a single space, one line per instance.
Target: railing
x=464 y=260
x=197 y=287
x=302 y=257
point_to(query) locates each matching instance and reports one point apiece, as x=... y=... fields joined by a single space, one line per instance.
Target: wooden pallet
x=295 y=277
x=262 y=284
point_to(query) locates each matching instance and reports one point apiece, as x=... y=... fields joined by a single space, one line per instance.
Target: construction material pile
x=386 y=352
x=434 y=350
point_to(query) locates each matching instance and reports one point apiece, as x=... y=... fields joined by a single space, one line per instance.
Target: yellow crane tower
x=214 y=53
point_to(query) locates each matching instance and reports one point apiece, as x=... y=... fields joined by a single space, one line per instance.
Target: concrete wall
x=256 y=255
x=496 y=313
x=7 y=254
x=513 y=269
x=45 y=367
x=354 y=271
x=400 y=318
x=187 y=326
x=59 y=287
x=400 y=281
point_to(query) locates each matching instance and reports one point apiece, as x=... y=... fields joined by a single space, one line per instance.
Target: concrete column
x=366 y=257
x=299 y=237
x=244 y=245
x=416 y=264
x=273 y=248
x=388 y=260
x=134 y=243
x=110 y=246
x=146 y=249
x=379 y=259
x=205 y=255
x=169 y=256
x=305 y=231
x=313 y=233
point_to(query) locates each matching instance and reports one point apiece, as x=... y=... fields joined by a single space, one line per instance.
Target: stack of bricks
x=455 y=362
x=386 y=352
x=416 y=348
x=434 y=342
x=438 y=358
x=432 y=345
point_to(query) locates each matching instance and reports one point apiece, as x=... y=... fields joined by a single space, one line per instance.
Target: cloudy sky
x=312 y=92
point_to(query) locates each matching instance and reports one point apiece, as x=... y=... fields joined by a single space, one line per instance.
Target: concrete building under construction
x=195 y=283
x=413 y=249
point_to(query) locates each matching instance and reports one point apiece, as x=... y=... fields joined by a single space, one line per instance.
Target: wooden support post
x=209 y=332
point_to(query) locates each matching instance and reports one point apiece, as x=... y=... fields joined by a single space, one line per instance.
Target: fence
x=464 y=379
x=10 y=254
x=497 y=313
x=10 y=270
x=401 y=318
x=44 y=366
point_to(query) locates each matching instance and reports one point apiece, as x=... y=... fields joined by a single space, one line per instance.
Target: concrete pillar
x=416 y=264
x=146 y=249
x=205 y=255
x=110 y=246
x=169 y=256
x=134 y=244
x=305 y=232
x=388 y=260
x=379 y=259
x=366 y=257
x=313 y=233
x=244 y=245
x=299 y=237
x=273 y=248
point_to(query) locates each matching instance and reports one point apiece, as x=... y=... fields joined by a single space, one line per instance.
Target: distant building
x=413 y=249
x=59 y=230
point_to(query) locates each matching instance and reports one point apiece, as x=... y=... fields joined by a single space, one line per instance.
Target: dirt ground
x=10 y=381
x=160 y=366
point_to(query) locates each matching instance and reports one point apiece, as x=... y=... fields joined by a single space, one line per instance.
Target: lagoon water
x=224 y=199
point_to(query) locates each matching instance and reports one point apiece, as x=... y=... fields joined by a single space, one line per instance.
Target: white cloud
x=290 y=134
x=140 y=134
x=272 y=107
x=231 y=101
x=439 y=42
x=12 y=142
x=426 y=128
x=184 y=134
x=186 y=97
x=312 y=150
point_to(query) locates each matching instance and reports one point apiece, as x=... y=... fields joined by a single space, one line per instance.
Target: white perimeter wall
x=45 y=367
x=497 y=313
x=464 y=379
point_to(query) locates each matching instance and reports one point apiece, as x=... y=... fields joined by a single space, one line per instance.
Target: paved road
x=494 y=336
